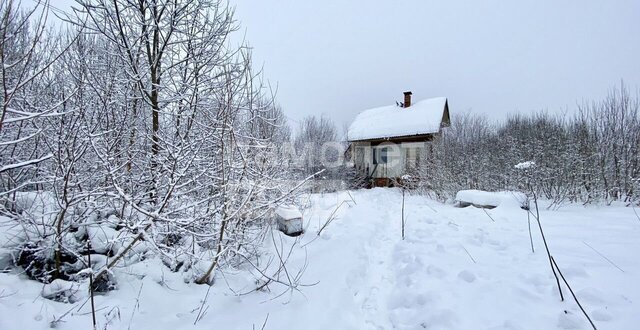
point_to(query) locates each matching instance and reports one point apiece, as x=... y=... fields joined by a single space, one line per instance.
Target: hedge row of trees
x=592 y=155
x=139 y=120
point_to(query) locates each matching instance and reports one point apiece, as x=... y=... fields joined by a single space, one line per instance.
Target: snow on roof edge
x=422 y=117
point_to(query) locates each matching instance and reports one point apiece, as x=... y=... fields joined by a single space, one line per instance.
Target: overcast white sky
x=340 y=57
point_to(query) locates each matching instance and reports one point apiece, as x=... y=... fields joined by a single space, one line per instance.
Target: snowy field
x=456 y=269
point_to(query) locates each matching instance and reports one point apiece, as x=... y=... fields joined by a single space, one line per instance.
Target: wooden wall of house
x=402 y=158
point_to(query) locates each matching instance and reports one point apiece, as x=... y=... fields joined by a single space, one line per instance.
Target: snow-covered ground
x=456 y=269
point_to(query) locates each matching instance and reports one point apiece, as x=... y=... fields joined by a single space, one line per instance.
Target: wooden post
x=93 y=306
x=403 y=213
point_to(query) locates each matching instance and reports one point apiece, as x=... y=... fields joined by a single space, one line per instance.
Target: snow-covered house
x=387 y=143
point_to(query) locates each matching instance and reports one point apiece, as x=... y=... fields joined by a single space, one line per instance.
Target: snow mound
x=288 y=212
x=525 y=165
x=103 y=238
x=486 y=199
x=61 y=290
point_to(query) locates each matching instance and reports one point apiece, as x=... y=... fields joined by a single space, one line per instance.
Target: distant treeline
x=592 y=155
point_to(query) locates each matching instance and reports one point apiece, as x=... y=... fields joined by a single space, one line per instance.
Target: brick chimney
x=407 y=99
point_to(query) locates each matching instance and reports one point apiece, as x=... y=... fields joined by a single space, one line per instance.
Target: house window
x=380 y=155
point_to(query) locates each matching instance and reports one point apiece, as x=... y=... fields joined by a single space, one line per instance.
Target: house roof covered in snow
x=423 y=117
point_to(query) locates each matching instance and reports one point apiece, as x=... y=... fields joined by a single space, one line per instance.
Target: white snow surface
x=486 y=198
x=456 y=269
x=423 y=117
x=103 y=238
x=525 y=165
x=288 y=212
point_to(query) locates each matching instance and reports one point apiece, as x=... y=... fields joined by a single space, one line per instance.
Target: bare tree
x=310 y=143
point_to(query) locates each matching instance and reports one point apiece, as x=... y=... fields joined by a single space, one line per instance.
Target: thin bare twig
x=403 y=214
x=573 y=294
x=544 y=240
x=600 y=254
x=136 y=306
x=469 y=254
x=487 y=213
x=202 y=310
x=331 y=217
x=352 y=199
x=530 y=235
x=633 y=207
x=264 y=324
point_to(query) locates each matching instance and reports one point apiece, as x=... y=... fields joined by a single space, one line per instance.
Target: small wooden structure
x=387 y=144
x=289 y=220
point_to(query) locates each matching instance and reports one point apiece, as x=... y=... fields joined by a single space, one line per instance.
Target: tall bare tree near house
x=163 y=45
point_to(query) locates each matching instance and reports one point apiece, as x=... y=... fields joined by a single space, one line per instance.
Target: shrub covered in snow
x=97 y=162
